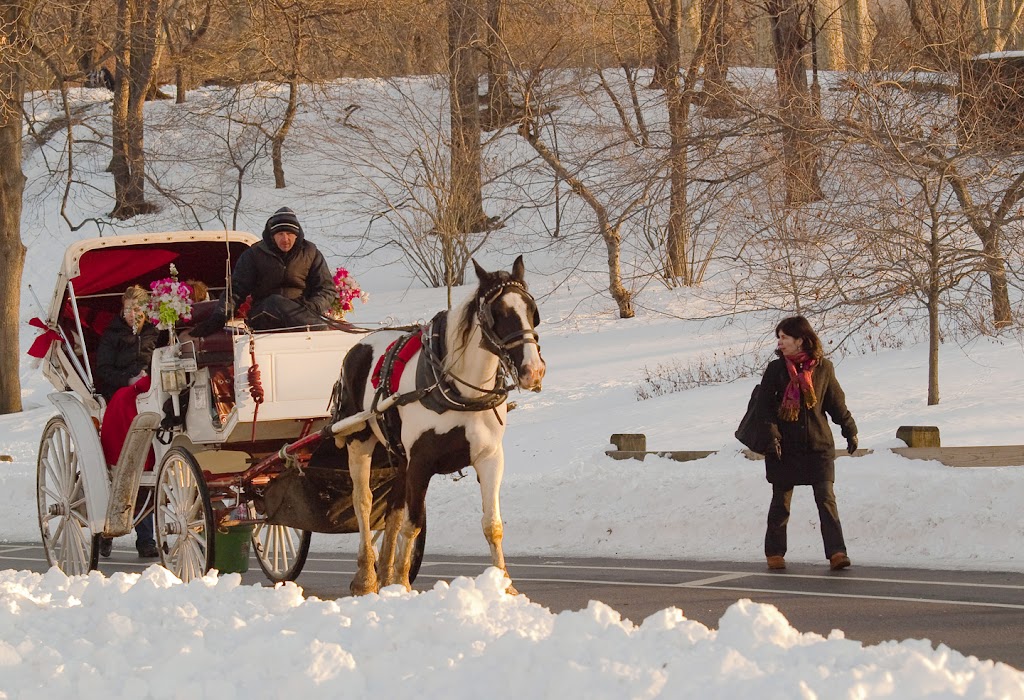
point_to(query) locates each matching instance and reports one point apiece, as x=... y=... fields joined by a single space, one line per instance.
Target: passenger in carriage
x=124 y=356
x=287 y=277
x=127 y=344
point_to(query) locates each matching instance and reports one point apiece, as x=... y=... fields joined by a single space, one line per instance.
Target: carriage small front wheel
x=280 y=550
x=184 y=516
x=68 y=540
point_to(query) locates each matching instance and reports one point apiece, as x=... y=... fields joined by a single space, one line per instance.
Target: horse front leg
x=489 y=471
x=388 y=546
x=415 y=514
x=359 y=453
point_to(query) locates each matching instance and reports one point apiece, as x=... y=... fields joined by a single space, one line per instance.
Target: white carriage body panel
x=297 y=372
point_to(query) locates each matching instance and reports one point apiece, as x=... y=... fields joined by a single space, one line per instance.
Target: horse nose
x=532 y=376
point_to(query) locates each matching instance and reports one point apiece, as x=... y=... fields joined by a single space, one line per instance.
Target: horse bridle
x=501 y=346
x=507 y=377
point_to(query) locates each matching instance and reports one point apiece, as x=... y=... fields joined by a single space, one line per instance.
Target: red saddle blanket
x=411 y=346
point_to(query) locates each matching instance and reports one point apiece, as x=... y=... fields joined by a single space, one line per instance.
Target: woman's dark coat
x=123 y=354
x=301 y=275
x=808 y=449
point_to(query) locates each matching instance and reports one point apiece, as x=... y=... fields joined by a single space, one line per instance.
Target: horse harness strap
x=439 y=392
x=435 y=386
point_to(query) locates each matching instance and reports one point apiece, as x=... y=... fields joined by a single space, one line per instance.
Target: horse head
x=508 y=318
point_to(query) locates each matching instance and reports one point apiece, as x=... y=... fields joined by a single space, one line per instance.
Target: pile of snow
x=149 y=636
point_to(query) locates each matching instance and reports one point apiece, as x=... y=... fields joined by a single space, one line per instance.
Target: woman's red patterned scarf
x=800 y=386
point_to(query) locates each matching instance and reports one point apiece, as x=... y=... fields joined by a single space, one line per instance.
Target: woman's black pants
x=828 y=514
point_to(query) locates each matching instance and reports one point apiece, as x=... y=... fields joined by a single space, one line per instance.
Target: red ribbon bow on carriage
x=42 y=343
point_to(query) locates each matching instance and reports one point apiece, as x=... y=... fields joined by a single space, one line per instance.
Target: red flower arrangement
x=348 y=292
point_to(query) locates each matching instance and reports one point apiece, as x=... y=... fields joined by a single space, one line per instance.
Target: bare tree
x=13 y=54
x=185 y=25
x=860 y=33
x=789 y=20
x=465 y=198
x=138 y=27
x=830 y=41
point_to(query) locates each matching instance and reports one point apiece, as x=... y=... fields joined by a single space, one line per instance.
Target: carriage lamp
x=174 y=379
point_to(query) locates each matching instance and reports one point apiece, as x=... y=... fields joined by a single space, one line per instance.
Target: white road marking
x=713 y=579
x=845 y=576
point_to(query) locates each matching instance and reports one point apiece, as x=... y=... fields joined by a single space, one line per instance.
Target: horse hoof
x=511 y=590
x=357 y=588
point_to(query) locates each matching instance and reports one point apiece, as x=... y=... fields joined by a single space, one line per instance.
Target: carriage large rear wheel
x=184 y=516
x=280 y=550
x=68 y=540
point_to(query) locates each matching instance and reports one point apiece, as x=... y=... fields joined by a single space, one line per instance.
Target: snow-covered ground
x=147 y=635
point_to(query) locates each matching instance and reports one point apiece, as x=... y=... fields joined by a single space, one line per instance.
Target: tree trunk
x=995 y=266
x=138 y=23
x=465 y=211
x=861 y=33
x=829 y=18
x=678 y=235
x=277 y=143
x=933 y=350
x=666 y=18
x=799 y=153
x=719 y=99
x=501 y=111
x=179 y=84
x=12 y=186
x=119 y=105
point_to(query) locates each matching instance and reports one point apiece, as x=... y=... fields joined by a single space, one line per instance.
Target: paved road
x=977 y=613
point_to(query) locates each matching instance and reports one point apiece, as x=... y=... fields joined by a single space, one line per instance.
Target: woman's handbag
x=752 y=431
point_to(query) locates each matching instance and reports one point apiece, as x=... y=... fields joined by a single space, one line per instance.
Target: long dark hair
x=800 y=327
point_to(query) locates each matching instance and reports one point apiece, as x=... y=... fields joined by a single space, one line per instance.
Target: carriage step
x=127 y=475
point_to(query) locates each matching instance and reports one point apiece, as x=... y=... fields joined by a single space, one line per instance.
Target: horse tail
x=347 y=396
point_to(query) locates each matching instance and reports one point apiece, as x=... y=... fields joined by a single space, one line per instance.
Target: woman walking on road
x=797 y=391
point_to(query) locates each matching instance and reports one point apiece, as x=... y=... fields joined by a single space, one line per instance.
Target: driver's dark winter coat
x=122 y=354
x=808 y=448
x=301 y=275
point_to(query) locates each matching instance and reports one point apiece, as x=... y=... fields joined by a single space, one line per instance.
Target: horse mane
x=461 y=320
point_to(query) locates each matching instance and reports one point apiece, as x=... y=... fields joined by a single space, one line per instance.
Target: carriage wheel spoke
x=184 y=518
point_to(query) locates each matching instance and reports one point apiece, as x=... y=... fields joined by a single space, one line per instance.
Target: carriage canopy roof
x=108 y=265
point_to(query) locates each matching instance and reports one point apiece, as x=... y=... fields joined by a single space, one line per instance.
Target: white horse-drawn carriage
x=235 y=422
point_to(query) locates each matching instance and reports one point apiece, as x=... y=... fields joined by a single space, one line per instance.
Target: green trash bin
x=231 y=549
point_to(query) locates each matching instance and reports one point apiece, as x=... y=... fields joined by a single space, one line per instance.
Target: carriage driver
x=286 y=275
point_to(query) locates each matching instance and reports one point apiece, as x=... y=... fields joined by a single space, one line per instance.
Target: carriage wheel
x=184 y=516
x=68 y=540
x=281 y=550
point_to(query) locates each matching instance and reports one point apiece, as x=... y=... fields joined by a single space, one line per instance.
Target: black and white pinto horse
x=452 y=418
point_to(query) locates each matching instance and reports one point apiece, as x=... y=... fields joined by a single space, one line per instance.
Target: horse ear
x=518 y=269
x=480 y=272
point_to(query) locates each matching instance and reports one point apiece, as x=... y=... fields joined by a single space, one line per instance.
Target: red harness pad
x=405 y=353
